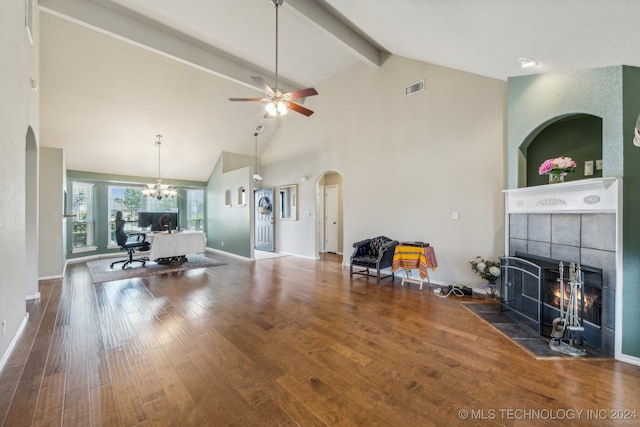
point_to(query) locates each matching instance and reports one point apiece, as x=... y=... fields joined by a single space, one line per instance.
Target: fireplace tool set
x=566 y=328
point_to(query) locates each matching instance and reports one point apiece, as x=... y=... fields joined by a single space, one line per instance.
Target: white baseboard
x=207 y=249
x=55 y=276
x=92 y=257
x=79 y=260
x=628 y=359
x=14 y=341
x=299 y=256
x=33 y=296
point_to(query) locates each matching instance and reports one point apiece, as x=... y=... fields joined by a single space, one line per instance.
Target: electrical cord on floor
x=453 y=290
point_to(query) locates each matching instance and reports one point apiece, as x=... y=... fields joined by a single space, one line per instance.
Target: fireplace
x=589 y=296
x=571 y=222
x=535 y=300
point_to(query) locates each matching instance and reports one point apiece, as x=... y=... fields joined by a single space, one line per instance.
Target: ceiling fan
x=277 y=102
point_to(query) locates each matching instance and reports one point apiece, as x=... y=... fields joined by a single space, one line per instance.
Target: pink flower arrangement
x=557 y=166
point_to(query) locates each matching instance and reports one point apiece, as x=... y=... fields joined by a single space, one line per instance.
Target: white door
x=320 y=219
x=264 y=219
x=331 y=218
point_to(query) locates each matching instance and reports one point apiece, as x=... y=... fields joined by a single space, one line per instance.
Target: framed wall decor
x=288 y=202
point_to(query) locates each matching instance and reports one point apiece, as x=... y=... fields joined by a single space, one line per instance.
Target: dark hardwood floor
x=285 y=342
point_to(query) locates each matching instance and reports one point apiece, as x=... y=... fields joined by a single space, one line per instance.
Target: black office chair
x=130 y=242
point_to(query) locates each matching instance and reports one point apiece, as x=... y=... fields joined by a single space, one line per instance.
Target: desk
x=176 y=244
x=414 y=257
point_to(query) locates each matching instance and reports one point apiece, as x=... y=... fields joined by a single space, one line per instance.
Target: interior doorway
x=329 y=214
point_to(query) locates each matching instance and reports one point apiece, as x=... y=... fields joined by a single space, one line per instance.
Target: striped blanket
x=414 y=257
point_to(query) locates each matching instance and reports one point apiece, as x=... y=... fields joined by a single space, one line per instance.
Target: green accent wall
x=630 y=214
x=229 y=225
x=612 y=94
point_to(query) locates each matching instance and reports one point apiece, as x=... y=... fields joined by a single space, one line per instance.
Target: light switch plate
x=588 y=168
x=599 y=165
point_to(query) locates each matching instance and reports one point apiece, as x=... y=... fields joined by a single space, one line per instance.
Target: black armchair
x=130 y=242
x=376 y=253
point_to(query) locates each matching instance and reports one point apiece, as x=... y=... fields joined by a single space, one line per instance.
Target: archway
x=578 y=136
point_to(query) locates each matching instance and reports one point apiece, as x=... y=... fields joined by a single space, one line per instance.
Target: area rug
x=102 y=272
x=528 y=340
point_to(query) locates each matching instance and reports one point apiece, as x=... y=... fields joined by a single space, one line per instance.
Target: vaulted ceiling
x=114 y=73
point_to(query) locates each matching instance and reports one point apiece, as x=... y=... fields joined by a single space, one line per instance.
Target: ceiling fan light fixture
x=271 y=108
x=276 y=108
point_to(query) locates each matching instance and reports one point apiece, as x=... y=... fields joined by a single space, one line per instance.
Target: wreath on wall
x=264 y=206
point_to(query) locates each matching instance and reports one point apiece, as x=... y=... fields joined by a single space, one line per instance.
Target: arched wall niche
x=575 y=135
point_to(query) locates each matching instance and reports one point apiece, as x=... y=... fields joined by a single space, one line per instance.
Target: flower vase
x=491 y=291
x=556 y=177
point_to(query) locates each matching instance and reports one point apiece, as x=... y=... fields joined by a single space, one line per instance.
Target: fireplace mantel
x=595 y=195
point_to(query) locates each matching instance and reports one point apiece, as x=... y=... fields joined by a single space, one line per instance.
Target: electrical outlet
x=599 y=165
x=221 y=243
x=588 y=168
x=454 y=215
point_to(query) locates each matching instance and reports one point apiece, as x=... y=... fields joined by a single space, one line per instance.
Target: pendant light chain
x=159 y=144
x=277 y=5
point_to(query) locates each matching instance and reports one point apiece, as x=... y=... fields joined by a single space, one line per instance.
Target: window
x=242 y=197
x=166 y=204
x=130 y=201
x=195 y=209
x=125 y=199
x=83 y=220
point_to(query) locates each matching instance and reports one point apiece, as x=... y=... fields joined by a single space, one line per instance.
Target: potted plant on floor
x=489 y=271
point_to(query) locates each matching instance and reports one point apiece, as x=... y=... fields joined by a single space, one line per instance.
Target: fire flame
x=588 y=299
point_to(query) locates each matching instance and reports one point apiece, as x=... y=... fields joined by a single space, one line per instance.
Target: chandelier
x=159 y=190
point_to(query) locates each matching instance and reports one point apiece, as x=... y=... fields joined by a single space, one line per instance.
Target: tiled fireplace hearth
x=578 y=222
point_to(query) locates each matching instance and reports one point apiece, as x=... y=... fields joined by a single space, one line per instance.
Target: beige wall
x=407 y=163
x=20 y=130
x=51 y=222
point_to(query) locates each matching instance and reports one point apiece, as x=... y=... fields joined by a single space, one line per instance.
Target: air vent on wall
x=414 y=88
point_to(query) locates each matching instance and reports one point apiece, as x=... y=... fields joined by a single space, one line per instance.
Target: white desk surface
x=165 y=245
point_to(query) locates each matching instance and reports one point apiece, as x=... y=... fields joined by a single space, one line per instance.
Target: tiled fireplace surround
x=571 y=222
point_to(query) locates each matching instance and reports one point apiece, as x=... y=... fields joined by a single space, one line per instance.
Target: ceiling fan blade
x=246 y=99
x=303 y=93
x=262 y=85
x=299 y=108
